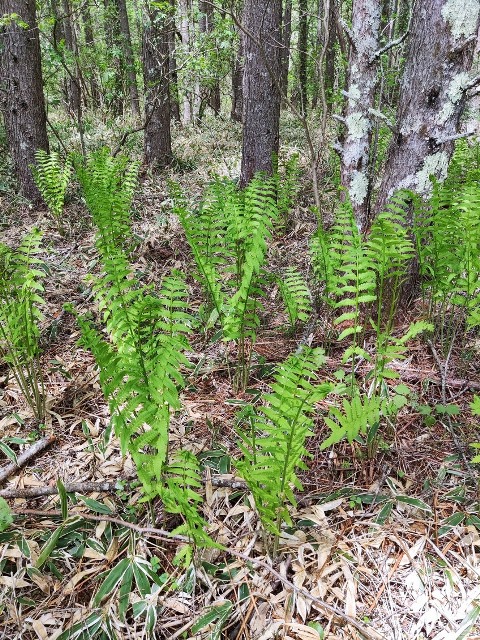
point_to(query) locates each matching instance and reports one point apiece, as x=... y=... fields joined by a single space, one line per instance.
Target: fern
x=228 y=238
x=20 y=317
x=52 y=178
x=296 y=296
x=274 y=448
x=357 y=416
x=142 y=355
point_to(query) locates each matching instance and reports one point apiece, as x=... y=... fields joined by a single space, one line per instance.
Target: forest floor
x=392 y=541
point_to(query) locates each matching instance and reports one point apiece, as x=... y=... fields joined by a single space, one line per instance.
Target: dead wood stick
x=366 y=631
x=24 y=457
x=99 y=487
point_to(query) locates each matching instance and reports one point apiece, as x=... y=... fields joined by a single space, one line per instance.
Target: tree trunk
x=183 y=6
x=237 y=82
x=73 y=81
x=156 y=69
x=90 y=44
x=207 y=25
x=329 y=74
x=302 y=54
x=127 y=50
x=22 y=99
x=432 y=95
x=260 y=87
x=112 y=37
x=286 y=40
x=362 y=80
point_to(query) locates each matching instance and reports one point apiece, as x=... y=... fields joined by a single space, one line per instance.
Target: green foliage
x=357 y=416
x=296 y=296
x=6 y=518
x=274 y=446
x=228 y=237
x=141 y=357
x=20 y=317
x=52 y=177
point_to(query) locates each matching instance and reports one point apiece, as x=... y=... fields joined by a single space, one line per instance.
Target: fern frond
x=275 y=447
x=52 y=177
x=296 y=296
x=355 y=417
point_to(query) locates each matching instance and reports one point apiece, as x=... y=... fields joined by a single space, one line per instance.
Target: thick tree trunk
x=362 y=80
x=22 y=99
x=302 y=54
x=432 y=96
x=286 y=40
x=237 y=83
x=127 y=50
x=156 y=69
x=260 y=87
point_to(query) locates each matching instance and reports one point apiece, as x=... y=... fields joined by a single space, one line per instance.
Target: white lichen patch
x=358 y=188
x=357 y=125
x=436 y=165
x=454 y=94
x=354 y=93
x=462 y=16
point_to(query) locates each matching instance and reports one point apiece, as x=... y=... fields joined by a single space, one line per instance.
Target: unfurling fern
x=142 y=355
x=20 y=317
x=296 y=296
x=274 y=447
x=228 y=238
x=52 y=177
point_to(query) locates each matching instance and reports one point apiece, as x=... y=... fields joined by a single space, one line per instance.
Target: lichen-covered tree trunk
x=21 y=94
x=362 y=81
x=433 y=94
x=156 y=69
x=184 y=26
x=262 y=21
x=286 y=40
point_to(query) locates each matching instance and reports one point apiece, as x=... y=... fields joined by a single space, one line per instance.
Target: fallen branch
x=100 y=487
x=161 y=534
x=24 y=457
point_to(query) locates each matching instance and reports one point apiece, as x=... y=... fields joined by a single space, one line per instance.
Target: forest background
x=239 y=277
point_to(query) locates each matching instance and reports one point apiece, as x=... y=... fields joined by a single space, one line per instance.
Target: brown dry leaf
x=40 y=630
x=350 y=590
x=91 y=554
x=77 y=578
x=112 y=550
x=14 y=583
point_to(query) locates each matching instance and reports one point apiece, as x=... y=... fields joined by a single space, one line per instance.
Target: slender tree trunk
x=433 y=93
x=362 y=80
x=112 y=37
x=302 y=54
x=329 y=74
x=237 y=82
x=73 y=82
x=156 y=69
x=286 y=40
x=183 y=6
x=207 y=25
x=260 y=87
x=90 y=44
x=127 y=50
x=21 y=94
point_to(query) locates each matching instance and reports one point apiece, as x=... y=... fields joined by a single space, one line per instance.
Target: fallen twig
x=24 y=457
x=161 y=534
x=100 y=487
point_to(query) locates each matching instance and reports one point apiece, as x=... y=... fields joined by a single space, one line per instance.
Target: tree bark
x=286 y=40
x=90 y=44
x=207 y=25
x=22 y=98
x=183 y=6
x=112 y=37
x=237 y=82
x=261 y=93
x=362 y=80
x=73 y=81
x=432 y=96
x=156 y=69
x=127 y=50
x=302 y=54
